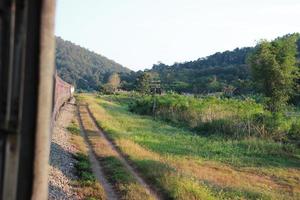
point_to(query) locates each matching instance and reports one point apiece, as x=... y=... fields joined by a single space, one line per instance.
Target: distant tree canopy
x=210 y=74
x=83 y=68
x=226 y=72
x=143 y=83
x=274 y=70
x=112 y=84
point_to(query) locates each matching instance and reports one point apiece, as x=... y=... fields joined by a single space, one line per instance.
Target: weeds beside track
x=127 y=183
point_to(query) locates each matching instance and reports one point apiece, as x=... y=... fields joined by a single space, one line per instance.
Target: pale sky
x=139 y=33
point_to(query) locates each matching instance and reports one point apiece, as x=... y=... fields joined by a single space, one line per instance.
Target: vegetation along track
x=126 y=181
x=97 y=169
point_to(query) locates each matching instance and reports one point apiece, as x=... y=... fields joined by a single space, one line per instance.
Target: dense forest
x=209 y=74
x=83 y=68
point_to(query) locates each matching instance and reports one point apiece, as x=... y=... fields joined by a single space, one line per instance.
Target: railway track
x=91 y=132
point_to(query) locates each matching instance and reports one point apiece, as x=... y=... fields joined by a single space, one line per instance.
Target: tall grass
x=229 y=117
x=184 y=165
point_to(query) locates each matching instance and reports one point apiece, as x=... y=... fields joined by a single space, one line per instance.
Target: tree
x=114 y=80
x=112 y=84
x=296 y=98
x=214 y=85
x=274 y=70
x=144 y=83
x=107 y=89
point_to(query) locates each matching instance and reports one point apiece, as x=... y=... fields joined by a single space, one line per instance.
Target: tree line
x=270 y=69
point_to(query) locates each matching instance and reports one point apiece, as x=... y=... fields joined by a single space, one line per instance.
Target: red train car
x=63 y=92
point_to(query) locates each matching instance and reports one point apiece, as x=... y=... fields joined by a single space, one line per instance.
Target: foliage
x=183 y=165
x=274 y=70
x=219 y=72
x=83 y=68
x=223 y=116
x=216 y=72
x=84 y=169
x=107 y=88
x=209 y=74
x=112 y=84
x=144 y=83
x=294 y=133
x=114 y=80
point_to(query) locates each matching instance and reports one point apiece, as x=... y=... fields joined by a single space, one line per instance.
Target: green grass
x=84 y=169
x=123 y=180
x=73 y=128
x=226 y=117
x=124 y=183
x=262 y=158
x=116 y=171
x=87 y=187
x=160 y=137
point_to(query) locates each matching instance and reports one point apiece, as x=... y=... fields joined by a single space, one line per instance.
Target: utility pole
x=155 y=88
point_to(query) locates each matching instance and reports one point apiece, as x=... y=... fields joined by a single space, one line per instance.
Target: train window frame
x=26 y=82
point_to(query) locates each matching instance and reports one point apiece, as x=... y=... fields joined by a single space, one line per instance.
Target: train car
x=63 y=92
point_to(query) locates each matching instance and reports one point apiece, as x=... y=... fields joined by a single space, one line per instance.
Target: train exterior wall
x=63 y=91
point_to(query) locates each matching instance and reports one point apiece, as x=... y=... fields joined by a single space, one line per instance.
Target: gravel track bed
x=61 y=168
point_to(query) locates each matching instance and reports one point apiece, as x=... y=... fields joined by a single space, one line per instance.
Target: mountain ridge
x=84 y=68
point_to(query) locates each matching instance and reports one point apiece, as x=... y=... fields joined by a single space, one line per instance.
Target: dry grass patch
x=101 y=147
x=217 y=174
x=226 y=176
x=135 y=151
x=124 y=182
x=86 y=186
x=91 y=192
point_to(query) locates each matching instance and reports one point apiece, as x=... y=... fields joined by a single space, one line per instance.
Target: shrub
x=294 y=133
x=226 y=116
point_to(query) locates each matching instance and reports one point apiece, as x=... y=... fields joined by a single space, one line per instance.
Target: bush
x=211 y=115
x=108 y=89
x=294 y=133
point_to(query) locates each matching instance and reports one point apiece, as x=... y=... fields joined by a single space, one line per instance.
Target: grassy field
x=123 y=181
x=182 y=164
x=86 y=185
x=227 y=117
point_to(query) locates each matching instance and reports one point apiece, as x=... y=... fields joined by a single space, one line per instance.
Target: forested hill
x=209 y=74
x=221 y=71
x=83 y=68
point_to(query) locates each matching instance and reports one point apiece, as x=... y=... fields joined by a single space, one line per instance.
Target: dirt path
x=121 y=156
x=97 y=169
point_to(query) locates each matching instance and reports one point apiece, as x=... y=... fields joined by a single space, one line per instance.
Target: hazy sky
x=139 y=33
